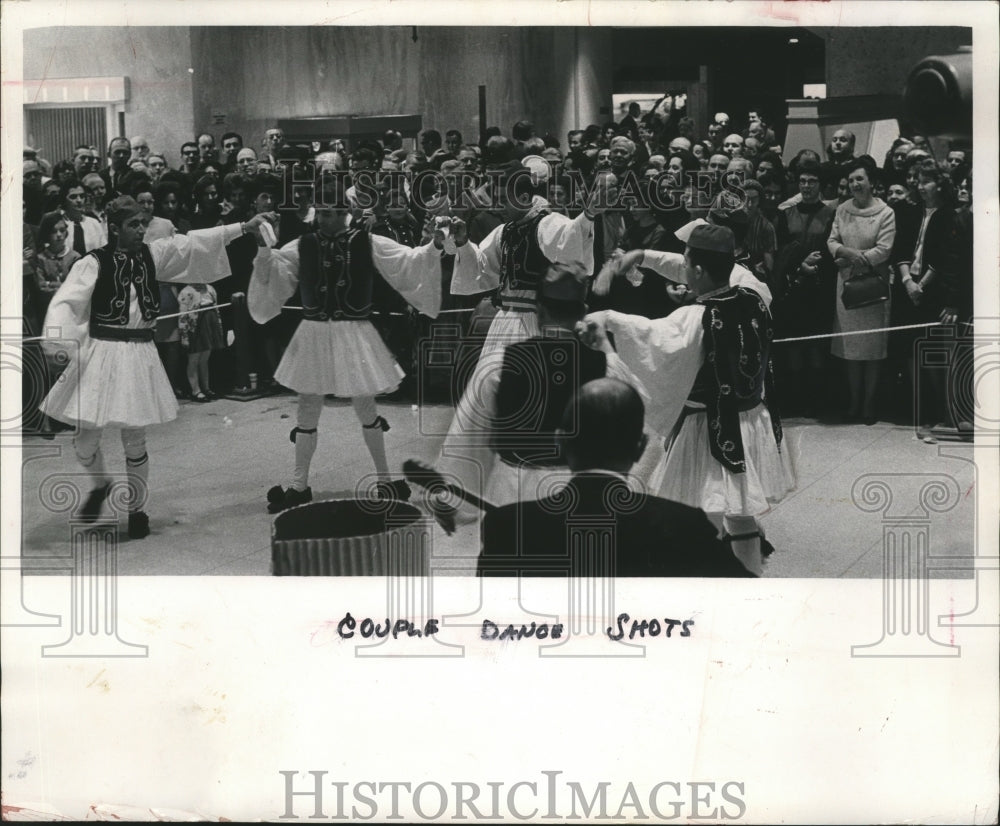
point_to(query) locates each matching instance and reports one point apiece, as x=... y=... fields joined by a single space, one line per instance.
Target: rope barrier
x=196 y=310
x=858 y=332
x=472 y=309
x=394 y=313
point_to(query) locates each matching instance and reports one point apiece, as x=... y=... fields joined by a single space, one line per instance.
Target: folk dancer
x=108 y=305
x=513 y=259
x=336 y=349
x=706 y=369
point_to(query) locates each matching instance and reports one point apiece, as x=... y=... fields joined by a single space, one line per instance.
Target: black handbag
x=864 y=290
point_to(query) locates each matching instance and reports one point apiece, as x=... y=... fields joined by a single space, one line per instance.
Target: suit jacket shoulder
x=637 y=536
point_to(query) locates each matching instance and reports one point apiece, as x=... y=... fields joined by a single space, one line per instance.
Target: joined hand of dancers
x=450 y=231
x=252 y=227
x=618 y=264
x=621 y=263
x=592 y=331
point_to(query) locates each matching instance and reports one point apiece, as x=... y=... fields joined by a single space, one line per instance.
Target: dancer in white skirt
x=513 y=259
x=706 y=370
x=108 y=305
x=336 y=349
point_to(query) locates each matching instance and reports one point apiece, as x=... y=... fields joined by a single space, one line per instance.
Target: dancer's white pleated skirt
x=340 y=358
x=691 y=475
x=510 y=327
x=113 y=384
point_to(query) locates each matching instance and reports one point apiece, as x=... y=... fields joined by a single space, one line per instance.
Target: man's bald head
x=842 y=144
x=602 y=427
x=732 y=145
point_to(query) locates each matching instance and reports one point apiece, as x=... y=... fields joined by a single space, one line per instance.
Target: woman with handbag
x=861 y=240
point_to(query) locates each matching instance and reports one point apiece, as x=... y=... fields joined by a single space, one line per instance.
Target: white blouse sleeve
x=664 y=356
x=273 y=281
x=566 y=240
x=196 y=258
x=68 y=316
x=413 y=272
x=668 y=264
x=477 y=268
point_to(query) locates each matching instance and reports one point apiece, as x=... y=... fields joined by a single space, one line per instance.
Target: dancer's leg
x=137 y=468
x=373 y=426
x=305 y=437
x=746 y=550
x=87 y=445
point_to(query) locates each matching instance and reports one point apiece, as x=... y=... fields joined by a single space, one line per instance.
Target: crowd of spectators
x=803 y=227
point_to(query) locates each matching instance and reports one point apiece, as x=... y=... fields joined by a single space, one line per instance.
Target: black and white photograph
x=375 y=365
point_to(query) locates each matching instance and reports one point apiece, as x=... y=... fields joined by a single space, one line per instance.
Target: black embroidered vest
x=336 y=276
x=737 y=374
x=522 y=265
x=117 y=271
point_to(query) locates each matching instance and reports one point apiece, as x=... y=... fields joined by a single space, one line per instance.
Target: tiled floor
x=212 y=466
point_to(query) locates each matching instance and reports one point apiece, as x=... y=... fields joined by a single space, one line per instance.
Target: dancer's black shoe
x=279 y=499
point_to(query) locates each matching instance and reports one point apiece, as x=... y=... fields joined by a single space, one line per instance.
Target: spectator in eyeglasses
x=190 y=158
x=246 y=162
x=274 y=140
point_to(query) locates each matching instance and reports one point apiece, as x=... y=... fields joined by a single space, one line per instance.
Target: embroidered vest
x=336 y=276
x=117 y=271
x=737 y=374
x=522 y=264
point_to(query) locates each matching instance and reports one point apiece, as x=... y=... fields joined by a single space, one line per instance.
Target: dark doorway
x=744 y=68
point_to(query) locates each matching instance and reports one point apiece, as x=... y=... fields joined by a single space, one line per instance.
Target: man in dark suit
x=118 y=177
x=629 y=126
x=597 y=525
